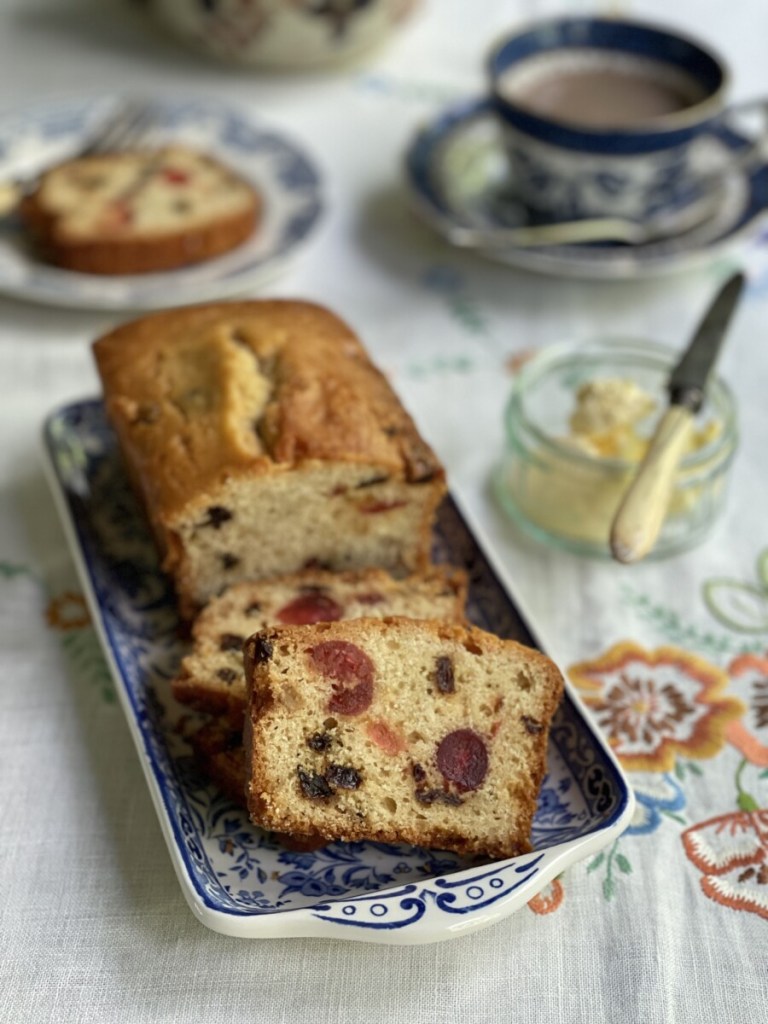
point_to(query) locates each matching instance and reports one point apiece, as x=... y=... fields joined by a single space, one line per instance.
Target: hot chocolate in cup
x=609 y=118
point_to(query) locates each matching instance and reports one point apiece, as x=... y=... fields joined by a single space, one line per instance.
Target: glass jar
x=564 y=495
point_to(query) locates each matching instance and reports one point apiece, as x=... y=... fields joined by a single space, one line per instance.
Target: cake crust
x=273 y=406
x=139 y=212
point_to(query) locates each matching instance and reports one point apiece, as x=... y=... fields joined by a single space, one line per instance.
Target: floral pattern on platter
x=731 y=851
x=233 y=867
x=476 y=891
x=656 y=705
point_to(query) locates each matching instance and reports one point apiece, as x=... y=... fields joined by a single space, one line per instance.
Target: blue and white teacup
x=608 y=118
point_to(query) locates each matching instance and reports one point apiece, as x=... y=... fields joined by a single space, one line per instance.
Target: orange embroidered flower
x=749 y=677
x=656 y=705
x=517 y=360
x=549 y=899
x=67 y=611
x=732 y=853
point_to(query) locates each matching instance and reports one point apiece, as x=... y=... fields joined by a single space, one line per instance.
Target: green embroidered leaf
x=596 y=862
x=693 y=767
x=623 y=864
x=609 y=888
x=763 y=774
x=762 y=569
x=441 y=365
x=675 y=817
x=9 y=571
x=747 y=802
x=739 y=606
x=689 y=636
x=679 y=772
x=84 y=651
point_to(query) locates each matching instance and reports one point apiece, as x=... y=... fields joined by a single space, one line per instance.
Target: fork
x=120 y=130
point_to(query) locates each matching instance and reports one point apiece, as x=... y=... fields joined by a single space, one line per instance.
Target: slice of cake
x=219 y=752
x=262 y=441
x=398 y=730
x=135 y=212
x=211 y=677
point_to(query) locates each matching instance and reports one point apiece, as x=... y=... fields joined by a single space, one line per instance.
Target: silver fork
x=124 y=128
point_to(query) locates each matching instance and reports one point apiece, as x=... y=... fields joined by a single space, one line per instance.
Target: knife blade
x=688 y=380
x=640 y=515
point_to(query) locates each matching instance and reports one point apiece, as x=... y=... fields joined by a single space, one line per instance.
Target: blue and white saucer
x=458 y=176
x=286 y=176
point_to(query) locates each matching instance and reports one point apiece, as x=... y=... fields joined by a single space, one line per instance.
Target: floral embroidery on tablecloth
x=749 y=678
x=654 y=706
x=549 y=899
x=731 y=851
x=67 y=611
x=612 y=861
x=656 y=795
x=740 y=605
x=68 y=614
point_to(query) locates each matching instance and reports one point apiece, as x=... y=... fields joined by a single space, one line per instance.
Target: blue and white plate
x=238 y=879
x=458 y=175
x=288 y=179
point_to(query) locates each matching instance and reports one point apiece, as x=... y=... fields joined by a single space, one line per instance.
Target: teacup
x=608 y=118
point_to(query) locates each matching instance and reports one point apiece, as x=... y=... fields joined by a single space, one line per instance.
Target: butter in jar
x=578 y=422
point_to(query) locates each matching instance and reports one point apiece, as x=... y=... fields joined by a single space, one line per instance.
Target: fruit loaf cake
x=263 y=441
x=211 y=677
x=219 y=751
x=135 y=212
x=398 y=730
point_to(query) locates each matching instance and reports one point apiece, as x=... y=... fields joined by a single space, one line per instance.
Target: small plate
x=287 y=178
x=236 y=878
x=458 y=175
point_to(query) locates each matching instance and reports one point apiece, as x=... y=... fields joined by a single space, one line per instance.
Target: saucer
x=287 y=178
x=458 y=176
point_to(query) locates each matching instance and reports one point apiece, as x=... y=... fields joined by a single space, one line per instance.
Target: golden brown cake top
x=204 y=393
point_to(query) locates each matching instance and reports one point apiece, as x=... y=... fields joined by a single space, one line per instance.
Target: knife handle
x=639 y=517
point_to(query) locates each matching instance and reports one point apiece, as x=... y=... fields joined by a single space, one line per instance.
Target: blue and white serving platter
x=288 y=179
x=458 y=176
x=236 y=878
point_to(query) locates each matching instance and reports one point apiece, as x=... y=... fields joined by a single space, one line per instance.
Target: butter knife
x=638 y=519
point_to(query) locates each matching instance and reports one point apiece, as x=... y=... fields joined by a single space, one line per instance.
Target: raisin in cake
x=219 y=751
x=263 y=440
x=135 y=212
x=397 y=730
x=211 y=677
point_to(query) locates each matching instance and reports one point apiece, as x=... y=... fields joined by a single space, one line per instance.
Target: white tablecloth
x=666 y=926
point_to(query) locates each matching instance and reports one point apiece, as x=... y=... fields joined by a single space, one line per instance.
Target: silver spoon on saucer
x=598 y=229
